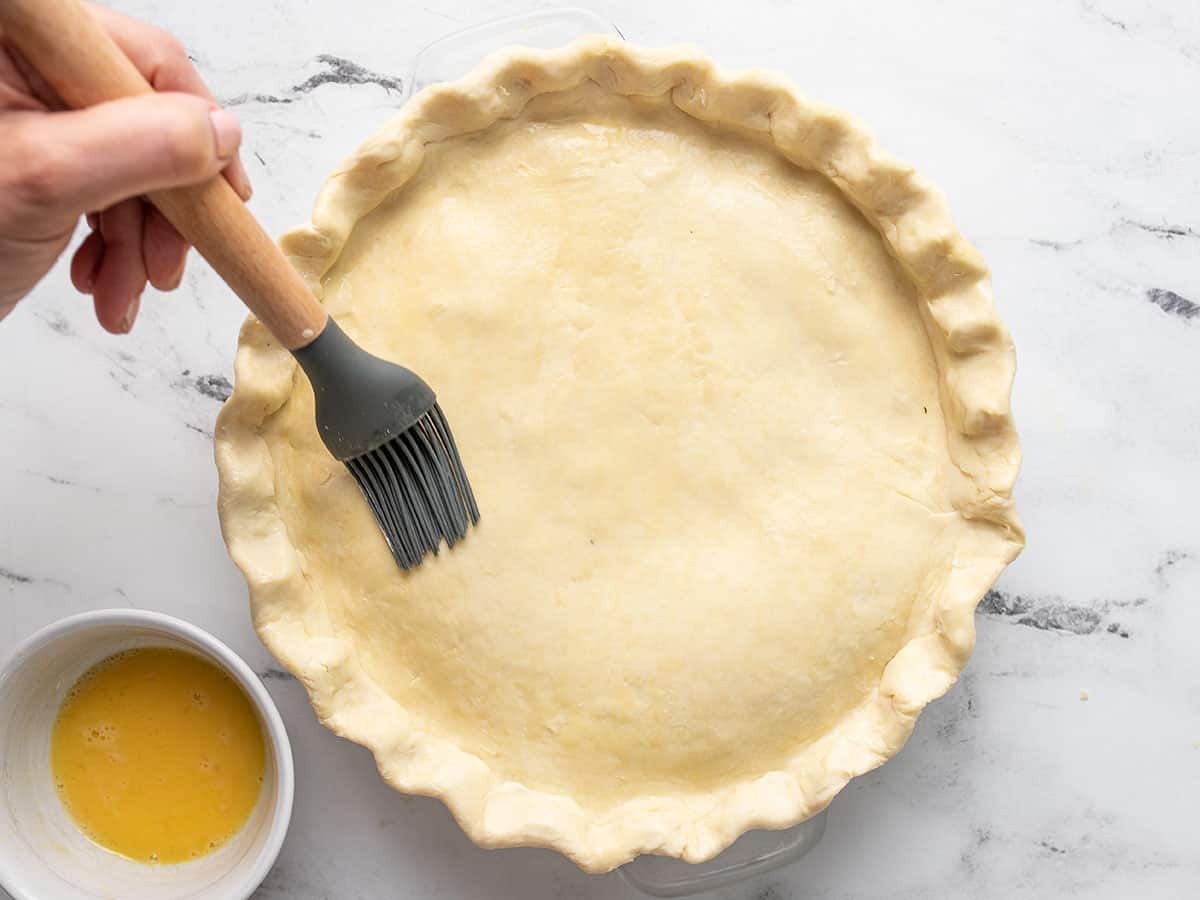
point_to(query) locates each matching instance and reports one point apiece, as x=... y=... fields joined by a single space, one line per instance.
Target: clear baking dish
x=756 y=852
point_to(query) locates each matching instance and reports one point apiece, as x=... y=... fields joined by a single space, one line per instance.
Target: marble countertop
x=1066 y=761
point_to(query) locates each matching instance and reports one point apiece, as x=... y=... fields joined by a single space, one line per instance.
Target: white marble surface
x=1067 y=137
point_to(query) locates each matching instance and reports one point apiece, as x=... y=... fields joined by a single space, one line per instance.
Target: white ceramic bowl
x=43 y=855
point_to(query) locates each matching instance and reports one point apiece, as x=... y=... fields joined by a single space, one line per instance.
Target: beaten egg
x=158 y=755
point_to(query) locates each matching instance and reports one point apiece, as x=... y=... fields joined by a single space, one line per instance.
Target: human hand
x=57 y=165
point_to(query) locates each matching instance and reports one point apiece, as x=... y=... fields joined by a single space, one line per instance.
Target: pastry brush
x=378 y=418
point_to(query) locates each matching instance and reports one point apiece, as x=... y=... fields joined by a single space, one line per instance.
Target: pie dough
x=734 y=400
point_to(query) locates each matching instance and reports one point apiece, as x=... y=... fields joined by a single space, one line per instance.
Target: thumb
x=93 y=158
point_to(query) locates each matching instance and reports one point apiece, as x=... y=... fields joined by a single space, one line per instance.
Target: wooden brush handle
x=75 y=55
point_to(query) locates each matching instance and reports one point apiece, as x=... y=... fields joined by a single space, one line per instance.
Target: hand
x=57 y=165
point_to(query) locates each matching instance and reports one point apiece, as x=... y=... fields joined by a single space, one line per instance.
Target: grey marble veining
x=1066 y=761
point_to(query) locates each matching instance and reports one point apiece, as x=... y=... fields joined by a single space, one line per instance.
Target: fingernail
x=241 y=184
x=131 y=312
x=227 y=132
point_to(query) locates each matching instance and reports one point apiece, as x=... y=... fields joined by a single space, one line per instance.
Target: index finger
x=158 y=54
x=163 y=62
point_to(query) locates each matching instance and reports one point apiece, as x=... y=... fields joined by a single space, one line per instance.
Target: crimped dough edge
x=976 y=364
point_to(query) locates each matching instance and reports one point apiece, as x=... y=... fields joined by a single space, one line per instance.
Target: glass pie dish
x=734 y=391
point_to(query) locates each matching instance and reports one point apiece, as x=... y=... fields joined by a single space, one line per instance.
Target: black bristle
x=418 y=489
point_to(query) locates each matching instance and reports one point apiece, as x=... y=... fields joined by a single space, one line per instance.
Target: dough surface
x=703 y=404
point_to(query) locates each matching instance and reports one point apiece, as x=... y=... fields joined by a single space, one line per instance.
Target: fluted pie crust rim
x=976 y=363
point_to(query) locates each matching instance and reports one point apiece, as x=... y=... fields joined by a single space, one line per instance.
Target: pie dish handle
x=455 y=54
x=754 y=853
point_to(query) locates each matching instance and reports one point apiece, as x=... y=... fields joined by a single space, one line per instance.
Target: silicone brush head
x=385 y=424
x=417 y=488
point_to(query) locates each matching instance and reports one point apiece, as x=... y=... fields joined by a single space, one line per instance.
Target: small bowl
x=43 y=854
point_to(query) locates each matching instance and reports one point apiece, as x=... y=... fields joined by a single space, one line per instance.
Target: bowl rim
x=253 y=874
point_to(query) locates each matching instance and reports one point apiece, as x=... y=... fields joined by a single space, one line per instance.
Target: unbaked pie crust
x=734 y=399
